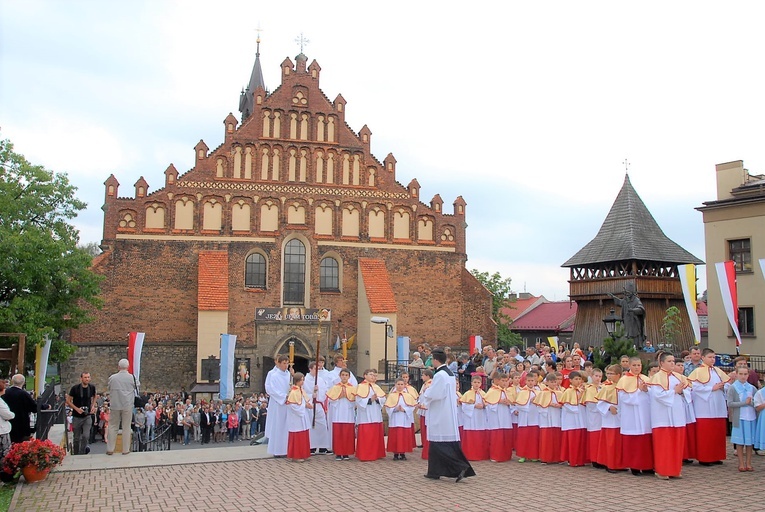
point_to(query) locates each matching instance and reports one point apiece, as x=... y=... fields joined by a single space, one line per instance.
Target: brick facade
x=153 y=241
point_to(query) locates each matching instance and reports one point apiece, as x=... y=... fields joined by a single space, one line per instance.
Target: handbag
x=137 y=400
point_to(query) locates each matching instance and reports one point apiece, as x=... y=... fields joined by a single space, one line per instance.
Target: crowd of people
x=204 y=422
x=536 y=407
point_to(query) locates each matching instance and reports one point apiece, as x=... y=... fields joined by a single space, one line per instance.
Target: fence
x=50 y=410
x=159 y=441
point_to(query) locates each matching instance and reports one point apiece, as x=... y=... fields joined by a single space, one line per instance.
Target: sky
x=526 y=109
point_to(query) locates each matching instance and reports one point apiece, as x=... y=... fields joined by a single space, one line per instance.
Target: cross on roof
x=302 y=42
x=626 y=165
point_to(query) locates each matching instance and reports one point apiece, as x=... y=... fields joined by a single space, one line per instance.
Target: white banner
x=726 y=276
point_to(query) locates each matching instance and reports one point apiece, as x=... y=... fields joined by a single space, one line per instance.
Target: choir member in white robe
x=445 y=457
x=593 y=417
x=668 y=418
x=689 y=453
x=475 y=435
x=500 y=401
x=635 y=418
x=319 y=431
x=342 y=410
x=527 y=437
x=573 y=422
x=610 y=448
x=370 y=397
x=278 y=387
x=400 y=406
x=708 y=394
x=548 y=402
x=297 y=423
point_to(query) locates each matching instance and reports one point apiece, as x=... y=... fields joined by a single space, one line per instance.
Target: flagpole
x=316 y=369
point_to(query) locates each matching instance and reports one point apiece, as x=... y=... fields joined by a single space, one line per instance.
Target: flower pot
x=32 y=474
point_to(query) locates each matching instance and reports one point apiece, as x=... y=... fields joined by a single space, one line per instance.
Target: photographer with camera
x=82 y=400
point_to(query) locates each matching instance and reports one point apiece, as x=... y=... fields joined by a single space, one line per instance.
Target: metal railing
x=50 y=410
x=159 y=441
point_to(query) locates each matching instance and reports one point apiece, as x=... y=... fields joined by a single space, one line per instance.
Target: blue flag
x=227 y=346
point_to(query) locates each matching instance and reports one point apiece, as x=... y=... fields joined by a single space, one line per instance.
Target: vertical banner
x=762 y=266
x=42 y=353
x=402 y=350
x=336 y=347
x=553 y=342
x=227 y=346
x=726 y=276
x=687 y=275
x=475 y=344
x=135 y=347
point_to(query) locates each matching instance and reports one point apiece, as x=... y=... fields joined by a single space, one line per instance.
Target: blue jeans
x=186 y=435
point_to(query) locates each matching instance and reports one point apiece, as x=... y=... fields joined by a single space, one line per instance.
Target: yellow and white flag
x=553 y=342
x=687 y=275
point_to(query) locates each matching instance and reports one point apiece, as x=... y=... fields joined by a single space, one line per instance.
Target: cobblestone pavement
x=323 y=484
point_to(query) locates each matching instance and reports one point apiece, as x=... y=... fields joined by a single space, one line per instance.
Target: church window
x=219 y=168
x=296 y=214
x=238 y=162
x=292 y=169
x=319 y=167
x=376 y=223
x=356 y=169
x=350 y=221
x=323 y=219
x=276 y=168
x=303 y=164
x=155 y=216
x=213 y=215
x=255 y=271
x=294 y=272
x=346 y=169
x=329 y=275
x=401 y=225
x=240 y=216
x=371 y=177
x=330 y=168
x=425 y=229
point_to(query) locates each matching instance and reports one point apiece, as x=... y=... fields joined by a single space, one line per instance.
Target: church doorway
x=301 y=365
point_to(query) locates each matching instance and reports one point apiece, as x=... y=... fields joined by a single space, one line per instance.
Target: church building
x=288 y=232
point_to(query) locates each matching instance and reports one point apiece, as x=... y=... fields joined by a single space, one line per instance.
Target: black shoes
x=460 y=476
x=433 y=477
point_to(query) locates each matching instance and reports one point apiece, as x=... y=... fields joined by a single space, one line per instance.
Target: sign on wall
x=292 y=314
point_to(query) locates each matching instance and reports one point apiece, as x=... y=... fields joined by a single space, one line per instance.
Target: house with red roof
x=545 y=320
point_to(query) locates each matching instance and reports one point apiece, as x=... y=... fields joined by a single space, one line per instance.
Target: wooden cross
x=626 y=165
x=302 y=42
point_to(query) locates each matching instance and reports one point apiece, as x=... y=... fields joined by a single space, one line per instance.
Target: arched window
x=329 y=275
x=294 y=272
x=255 y=271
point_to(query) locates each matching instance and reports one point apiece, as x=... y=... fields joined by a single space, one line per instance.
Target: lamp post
x=610 y=322
x=383 y=320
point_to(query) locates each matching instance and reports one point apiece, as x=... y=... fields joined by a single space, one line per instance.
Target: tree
x=615 y=347
x=46 y=284
x=500 y=289
x=670 y=328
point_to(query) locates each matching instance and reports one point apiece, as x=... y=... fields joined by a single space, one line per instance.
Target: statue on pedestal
x=633 y=314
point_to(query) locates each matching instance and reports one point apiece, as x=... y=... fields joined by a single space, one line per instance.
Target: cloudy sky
x=526 y=109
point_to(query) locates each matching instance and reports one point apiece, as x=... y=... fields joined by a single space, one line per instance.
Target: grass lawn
x=6 y=494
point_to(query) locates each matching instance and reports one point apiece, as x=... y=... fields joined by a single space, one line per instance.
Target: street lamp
x=383 y=320
x=610 y=322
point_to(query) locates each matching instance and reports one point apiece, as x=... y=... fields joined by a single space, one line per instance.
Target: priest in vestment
x=317 y=389
x=668 y=418
x=708 y=392
x=445 y=457
x=278 y=387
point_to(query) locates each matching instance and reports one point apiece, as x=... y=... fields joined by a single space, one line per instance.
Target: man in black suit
x=206 y=423
x=22 y=404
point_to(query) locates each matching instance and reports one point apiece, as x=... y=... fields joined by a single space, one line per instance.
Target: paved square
x=323 y=484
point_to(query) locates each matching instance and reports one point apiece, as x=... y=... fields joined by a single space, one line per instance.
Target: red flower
x=41 y=454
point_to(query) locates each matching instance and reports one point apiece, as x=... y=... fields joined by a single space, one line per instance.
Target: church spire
x=256 y=81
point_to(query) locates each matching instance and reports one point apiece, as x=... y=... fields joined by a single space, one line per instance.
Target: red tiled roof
x=519 y=307
x=212 y=293
x=377 y=285
x=550 y=316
